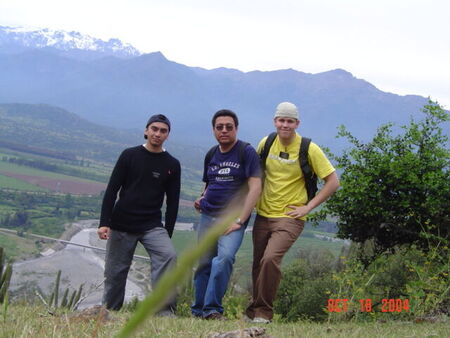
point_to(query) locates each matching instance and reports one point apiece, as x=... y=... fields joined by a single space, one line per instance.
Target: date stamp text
x=366 y=305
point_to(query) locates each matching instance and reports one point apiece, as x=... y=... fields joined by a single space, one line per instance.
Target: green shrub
x=429 y=290
x=234 y=304
x=420 y=279
x=184 y=299
x=305 y=287
x=396 y=186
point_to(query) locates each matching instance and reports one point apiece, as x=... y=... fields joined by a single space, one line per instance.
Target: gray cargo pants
x=119 y=254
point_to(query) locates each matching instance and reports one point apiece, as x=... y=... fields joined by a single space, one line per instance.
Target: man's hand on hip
x=231 y=228
x=298 y=211
x=103 y=232
x=197 y=204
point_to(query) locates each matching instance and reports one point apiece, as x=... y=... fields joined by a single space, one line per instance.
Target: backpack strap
x=208 y=158
x=242 y=147
x=308 y=173
x=265 y=151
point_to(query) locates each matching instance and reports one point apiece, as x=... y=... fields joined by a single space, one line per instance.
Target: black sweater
x=143 y=178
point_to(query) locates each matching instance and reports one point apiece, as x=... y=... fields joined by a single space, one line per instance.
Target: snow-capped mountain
x=13 y=39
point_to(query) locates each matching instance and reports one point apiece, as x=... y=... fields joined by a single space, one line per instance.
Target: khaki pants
x=272 y=238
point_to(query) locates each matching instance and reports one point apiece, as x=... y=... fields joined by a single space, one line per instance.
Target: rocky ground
x=78 y=266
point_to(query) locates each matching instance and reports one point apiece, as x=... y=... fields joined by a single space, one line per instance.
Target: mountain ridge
x=72 y=43
x=124 y=92
x=55 y=132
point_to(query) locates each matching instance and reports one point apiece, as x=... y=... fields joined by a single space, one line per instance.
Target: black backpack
x=308 y=173
x=211 y=152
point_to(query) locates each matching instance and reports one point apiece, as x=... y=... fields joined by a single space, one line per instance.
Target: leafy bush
x=305 y=287
x=418 y=280
x=422 y=279
x=395 y=188
x=429 y=290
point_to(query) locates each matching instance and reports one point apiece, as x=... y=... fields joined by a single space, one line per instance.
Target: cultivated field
x=65 y=186
x=7 y=182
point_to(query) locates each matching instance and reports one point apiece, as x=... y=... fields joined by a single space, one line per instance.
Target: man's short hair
x=225 y=112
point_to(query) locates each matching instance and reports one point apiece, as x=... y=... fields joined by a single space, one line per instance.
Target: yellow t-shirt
x=284 y=183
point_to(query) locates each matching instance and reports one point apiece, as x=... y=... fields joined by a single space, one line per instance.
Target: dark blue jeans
x=214 y=270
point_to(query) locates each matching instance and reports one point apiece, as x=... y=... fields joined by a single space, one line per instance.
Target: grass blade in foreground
x=169 y=280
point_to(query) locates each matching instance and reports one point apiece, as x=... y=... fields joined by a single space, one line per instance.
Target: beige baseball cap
x=287 y=109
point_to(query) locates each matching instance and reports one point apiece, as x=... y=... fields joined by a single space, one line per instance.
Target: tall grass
x=35 y=321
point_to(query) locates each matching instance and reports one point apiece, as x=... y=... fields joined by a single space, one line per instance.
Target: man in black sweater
x=143 y=175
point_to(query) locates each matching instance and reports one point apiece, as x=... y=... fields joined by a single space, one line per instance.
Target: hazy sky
x=400 y=46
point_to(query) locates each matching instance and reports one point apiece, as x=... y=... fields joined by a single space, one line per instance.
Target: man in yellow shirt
x=283 y=206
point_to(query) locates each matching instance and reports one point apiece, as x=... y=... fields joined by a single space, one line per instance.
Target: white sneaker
x=247 y=319
x=260 y=320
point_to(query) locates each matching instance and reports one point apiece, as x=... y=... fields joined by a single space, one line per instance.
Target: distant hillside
x=54 y=132
x=122 y=93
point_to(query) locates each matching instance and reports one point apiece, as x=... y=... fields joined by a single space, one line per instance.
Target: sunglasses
x=228 y=127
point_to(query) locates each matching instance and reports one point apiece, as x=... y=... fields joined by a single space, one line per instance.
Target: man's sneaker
x=215 y=316
x=260 y=320
x=247 y=318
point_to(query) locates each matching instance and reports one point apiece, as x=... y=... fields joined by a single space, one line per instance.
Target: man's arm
x=205 y=179
x=254 y=190
x=109 y=199
x=197 y=201
x=331 y=185
x=172 y=200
